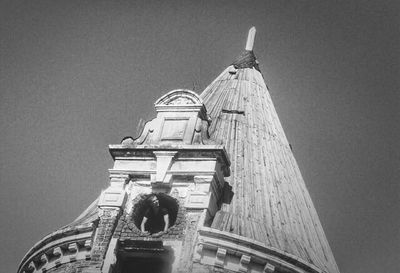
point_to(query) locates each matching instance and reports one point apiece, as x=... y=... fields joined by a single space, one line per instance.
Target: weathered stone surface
x=259 y=219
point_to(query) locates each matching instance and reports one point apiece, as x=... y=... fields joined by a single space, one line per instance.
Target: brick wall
x=128 y=224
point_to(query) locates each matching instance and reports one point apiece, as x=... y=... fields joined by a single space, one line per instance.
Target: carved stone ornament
x=181 y=119
x=108 y=213
x=179 y=97
x=180 y=101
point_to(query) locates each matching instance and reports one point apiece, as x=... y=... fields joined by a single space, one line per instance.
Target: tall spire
x=270 y=203
x=250 y=39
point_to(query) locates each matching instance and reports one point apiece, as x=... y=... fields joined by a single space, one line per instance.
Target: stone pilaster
x=105 y=229
x=111 y=204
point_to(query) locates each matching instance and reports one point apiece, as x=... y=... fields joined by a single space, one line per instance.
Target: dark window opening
x=146 y=265
x=155 y=223
x=144 y=257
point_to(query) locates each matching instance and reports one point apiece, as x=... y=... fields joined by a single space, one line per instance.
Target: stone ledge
x=238 y=246
x=76 y=245
x=123 y=151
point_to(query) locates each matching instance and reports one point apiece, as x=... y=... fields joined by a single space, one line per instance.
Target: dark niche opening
x=145 y=257
x=166 y=203
x=146 y=265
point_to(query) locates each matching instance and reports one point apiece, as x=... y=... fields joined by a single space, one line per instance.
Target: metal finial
x=250 y=39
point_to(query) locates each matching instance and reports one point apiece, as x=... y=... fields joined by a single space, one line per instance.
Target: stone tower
x=229 y=195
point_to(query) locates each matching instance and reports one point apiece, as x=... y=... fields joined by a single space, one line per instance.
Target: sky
x=76 y=76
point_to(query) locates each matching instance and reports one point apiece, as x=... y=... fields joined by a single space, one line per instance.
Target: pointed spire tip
x=250 y=39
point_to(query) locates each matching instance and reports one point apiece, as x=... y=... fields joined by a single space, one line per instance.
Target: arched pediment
x=179 y=97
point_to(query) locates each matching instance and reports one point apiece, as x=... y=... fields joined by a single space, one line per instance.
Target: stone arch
x=179 y=97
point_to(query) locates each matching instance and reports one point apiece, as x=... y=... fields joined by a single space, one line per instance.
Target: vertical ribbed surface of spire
x=271 y=203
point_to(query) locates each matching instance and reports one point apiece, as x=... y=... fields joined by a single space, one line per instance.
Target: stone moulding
x=185 y=96
x=76 y=246
x=180 y=100
x=118 y=151
x=248 y=251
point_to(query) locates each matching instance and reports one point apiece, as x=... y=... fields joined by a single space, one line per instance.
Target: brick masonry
x=128 y=224
x=105 y=230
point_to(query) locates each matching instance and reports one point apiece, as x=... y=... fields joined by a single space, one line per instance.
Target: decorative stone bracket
x=164 y=162
x=53 y=256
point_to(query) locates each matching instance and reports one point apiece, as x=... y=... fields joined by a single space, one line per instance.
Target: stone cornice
x=237 y=245
x=52 y=244
x=131 y=151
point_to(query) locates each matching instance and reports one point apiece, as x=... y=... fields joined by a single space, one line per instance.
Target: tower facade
x=210 y=185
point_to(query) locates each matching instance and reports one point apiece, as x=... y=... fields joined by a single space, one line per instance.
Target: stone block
x=220 y=257
x=112 y=197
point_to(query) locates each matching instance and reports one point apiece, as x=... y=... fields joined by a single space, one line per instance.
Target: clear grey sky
x=76 y=76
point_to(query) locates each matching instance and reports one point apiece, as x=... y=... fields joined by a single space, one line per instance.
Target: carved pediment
x=181 y=101
x=179 y=97
x=181 y=119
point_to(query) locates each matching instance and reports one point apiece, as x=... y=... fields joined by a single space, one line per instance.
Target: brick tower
x=210 y=185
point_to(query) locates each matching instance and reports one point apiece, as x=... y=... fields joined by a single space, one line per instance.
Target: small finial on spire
x=250 y=39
